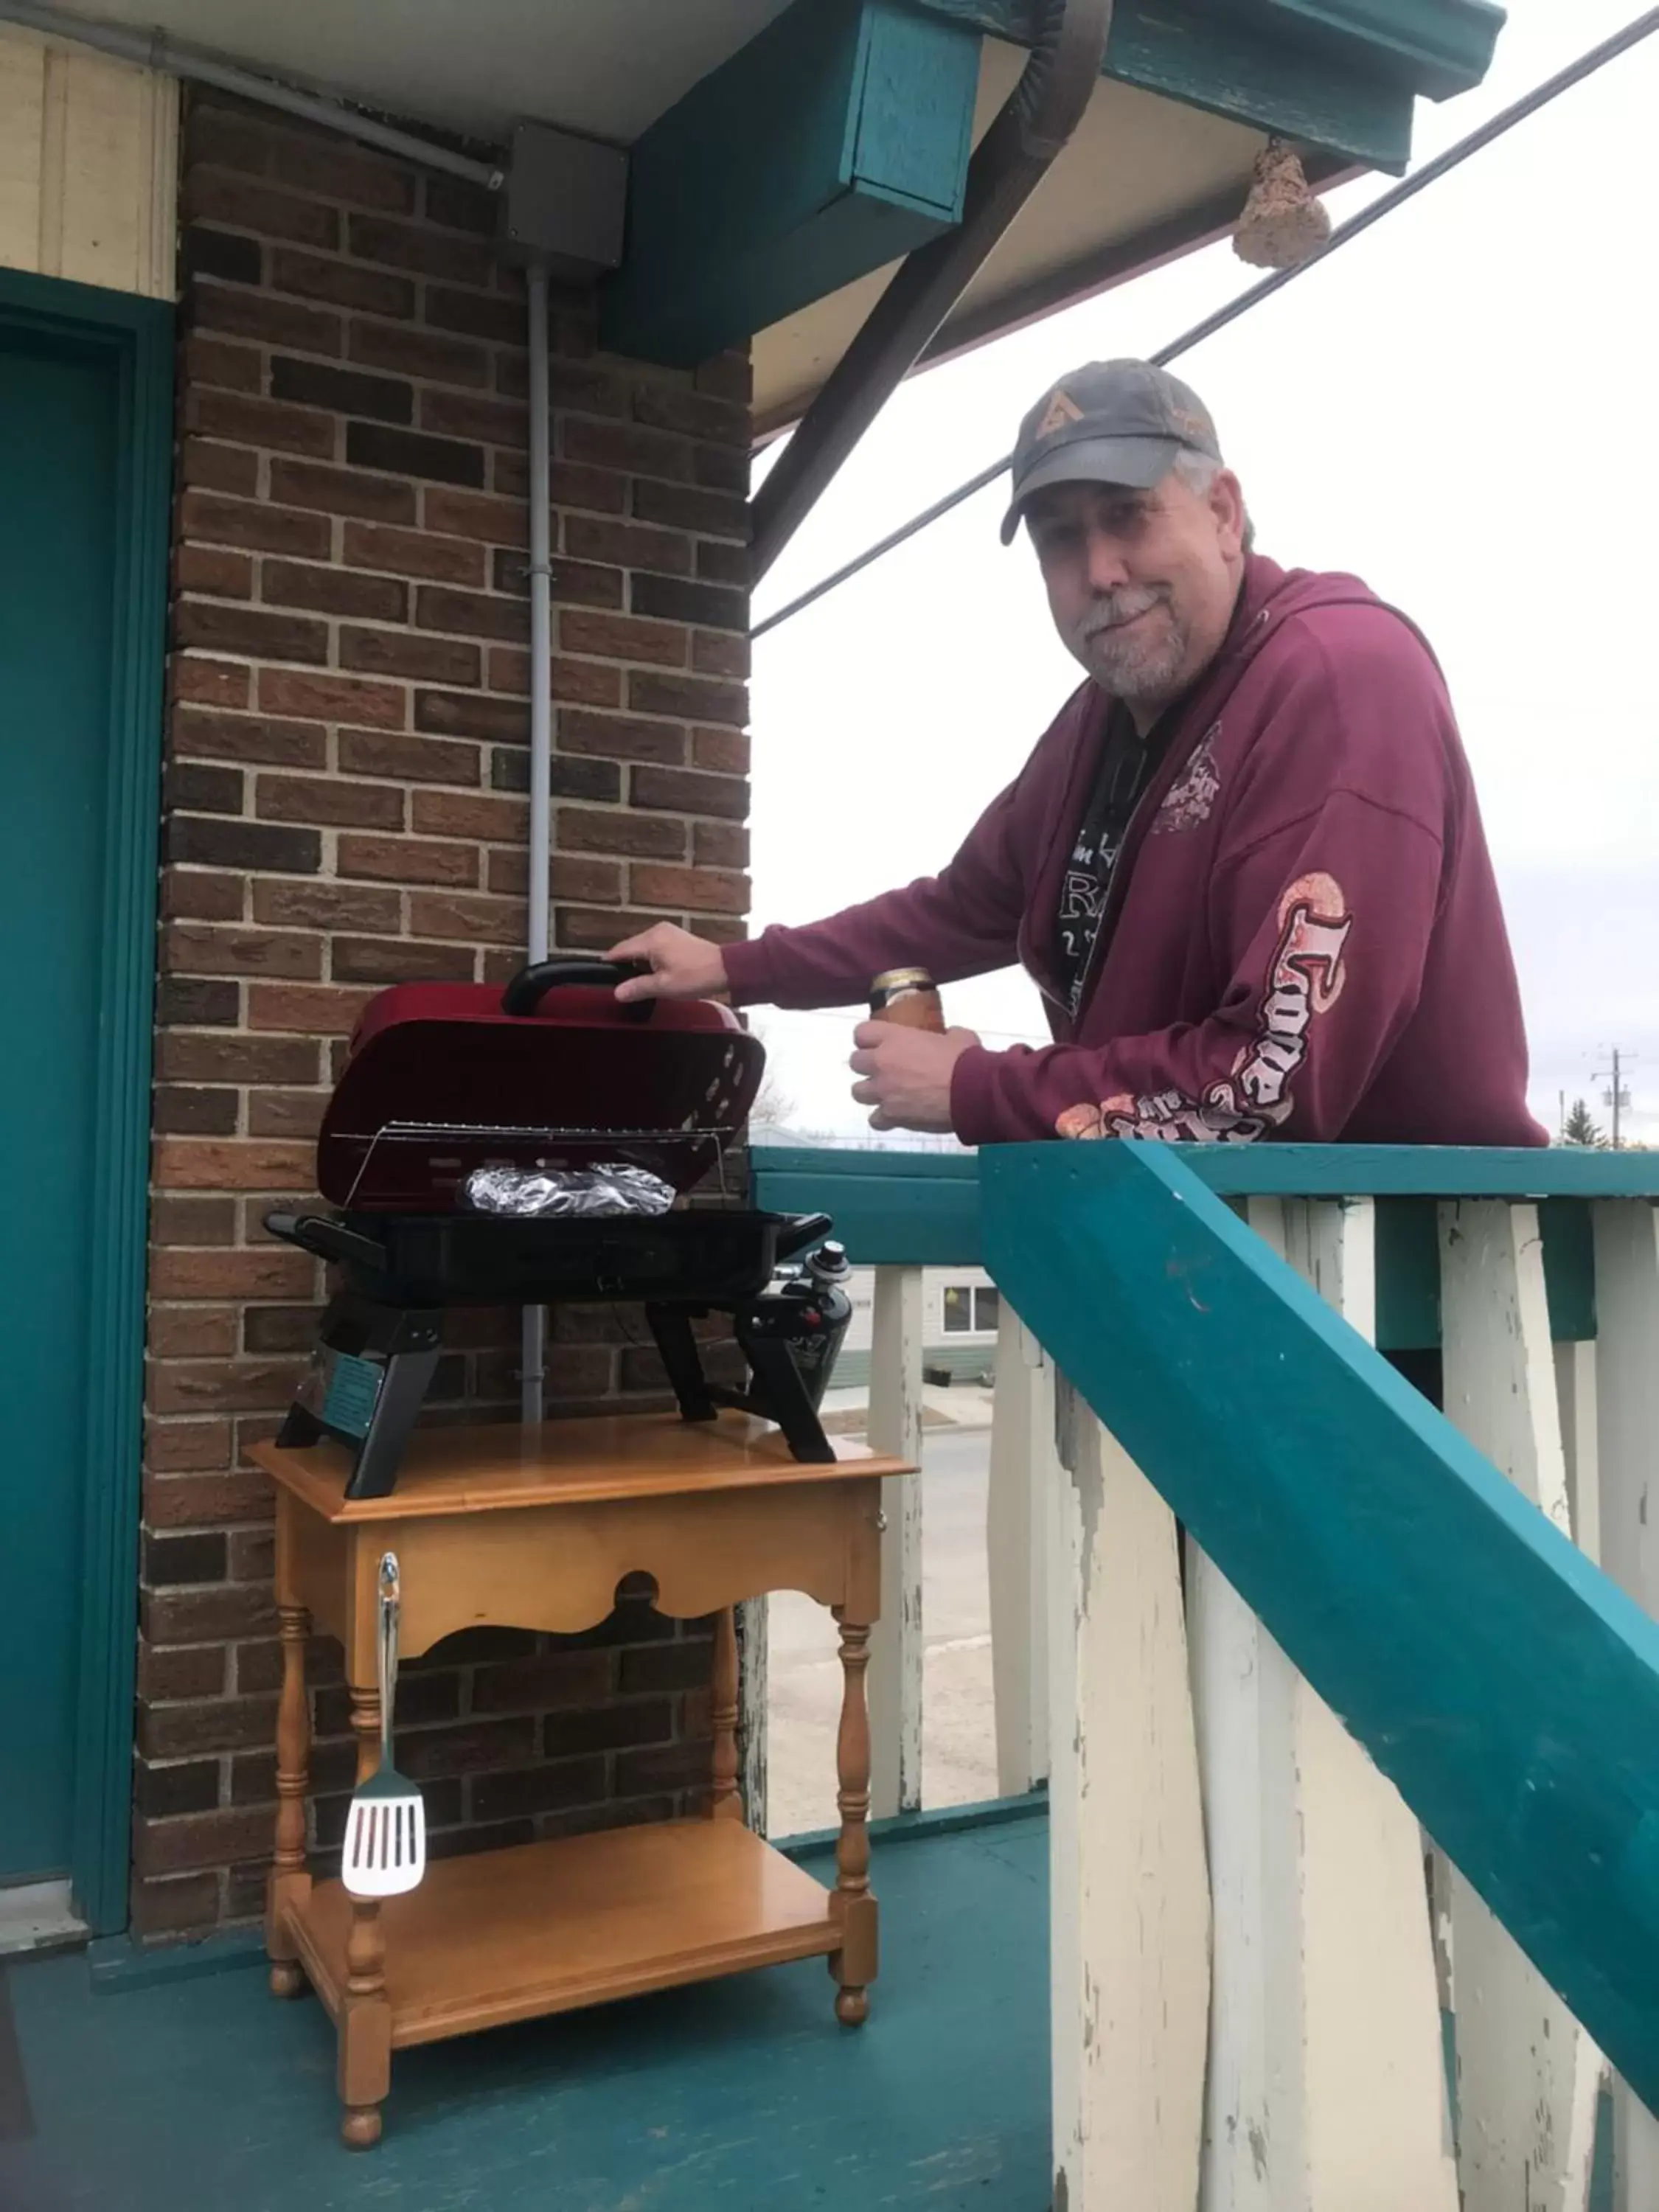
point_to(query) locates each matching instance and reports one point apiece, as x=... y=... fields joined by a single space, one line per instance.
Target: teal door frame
x=137 y=336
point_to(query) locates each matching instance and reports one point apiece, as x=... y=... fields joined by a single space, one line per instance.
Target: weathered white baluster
x=1129 y=1920
x=1024 y=1476
x=1627 y=1450
x=896 y=1648
x=1326 y=2085
x=1527 y=2074
x=1255 y=2152
x=1575 y=1392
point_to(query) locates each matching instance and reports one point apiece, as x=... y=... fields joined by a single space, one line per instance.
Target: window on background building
x=971 y=1310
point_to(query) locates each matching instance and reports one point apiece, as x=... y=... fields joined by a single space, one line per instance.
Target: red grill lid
x=440 y=1079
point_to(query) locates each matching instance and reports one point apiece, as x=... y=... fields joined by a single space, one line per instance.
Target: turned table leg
x=725 y=1802
x=365 y=2056
x=854 y=1965
x=289 y=1882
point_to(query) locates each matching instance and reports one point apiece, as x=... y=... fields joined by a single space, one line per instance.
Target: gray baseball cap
x=1109 y=421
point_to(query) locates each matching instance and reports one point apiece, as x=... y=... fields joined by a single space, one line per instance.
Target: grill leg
x=408 y=1374
x=301 y=1426
x=779 y=1387
x=672 y=1327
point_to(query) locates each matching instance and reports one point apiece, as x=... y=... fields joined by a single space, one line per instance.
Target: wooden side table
x=534 y=1528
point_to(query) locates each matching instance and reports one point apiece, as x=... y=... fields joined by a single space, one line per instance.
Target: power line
x=1529 y=104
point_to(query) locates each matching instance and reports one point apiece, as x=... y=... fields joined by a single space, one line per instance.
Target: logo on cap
x=1061 y=409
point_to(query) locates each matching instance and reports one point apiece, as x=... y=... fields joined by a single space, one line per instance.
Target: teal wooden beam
x=832 y=144
x=1337 y=73
x=1439 y=47
x=899 y=1209
x=1509 y=1689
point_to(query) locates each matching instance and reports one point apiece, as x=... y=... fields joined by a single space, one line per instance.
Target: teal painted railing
x=1507 y=1686
x=922 y=1209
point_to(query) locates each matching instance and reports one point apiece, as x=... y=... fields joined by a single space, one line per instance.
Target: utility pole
x=1615 y=1096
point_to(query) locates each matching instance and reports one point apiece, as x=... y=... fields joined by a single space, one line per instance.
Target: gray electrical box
x=565 y=201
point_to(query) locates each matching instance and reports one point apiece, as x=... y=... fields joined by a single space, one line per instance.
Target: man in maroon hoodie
x=1244 y=867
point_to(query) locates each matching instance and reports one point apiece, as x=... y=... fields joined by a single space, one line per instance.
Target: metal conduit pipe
x=155 y=50
x=533 y=1344
x=1011 y=161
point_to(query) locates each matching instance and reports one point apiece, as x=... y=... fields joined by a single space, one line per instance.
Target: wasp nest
x=1282 y=223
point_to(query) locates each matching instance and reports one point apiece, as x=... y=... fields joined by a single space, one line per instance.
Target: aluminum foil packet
x=567 y=1194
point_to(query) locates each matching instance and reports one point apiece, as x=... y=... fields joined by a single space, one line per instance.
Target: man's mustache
x=1117 y=608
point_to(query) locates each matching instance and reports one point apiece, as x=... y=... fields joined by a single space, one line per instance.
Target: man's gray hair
x=1198 y=472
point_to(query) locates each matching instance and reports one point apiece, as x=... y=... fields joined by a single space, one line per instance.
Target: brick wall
x=343 y=809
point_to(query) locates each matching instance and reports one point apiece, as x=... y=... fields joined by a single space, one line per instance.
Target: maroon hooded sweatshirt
x=1302 y=936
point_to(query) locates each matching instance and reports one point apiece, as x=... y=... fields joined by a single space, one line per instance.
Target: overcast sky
x=1457 y=408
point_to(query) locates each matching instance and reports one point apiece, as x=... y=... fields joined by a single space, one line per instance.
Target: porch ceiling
x=1143 y=178
x=474 y=66
x=1160 y=162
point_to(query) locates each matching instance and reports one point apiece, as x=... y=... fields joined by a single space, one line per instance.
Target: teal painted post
x=1505 y=1685
x=1407 y=1275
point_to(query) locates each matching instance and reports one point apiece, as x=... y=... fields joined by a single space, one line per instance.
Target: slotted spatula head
x=385 y=1837
x=386 y=1824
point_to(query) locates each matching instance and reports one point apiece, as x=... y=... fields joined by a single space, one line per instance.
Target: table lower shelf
x=543 y=1928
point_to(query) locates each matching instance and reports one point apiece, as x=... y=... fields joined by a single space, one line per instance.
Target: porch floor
x=208 y=2095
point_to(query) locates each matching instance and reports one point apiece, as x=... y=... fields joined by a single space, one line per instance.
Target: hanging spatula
x=386 y=1823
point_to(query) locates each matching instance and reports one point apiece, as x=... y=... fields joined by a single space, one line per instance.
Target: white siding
x=88 y=165
x=934 y=1283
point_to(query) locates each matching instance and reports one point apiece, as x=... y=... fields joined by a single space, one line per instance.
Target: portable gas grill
x=441 y=1080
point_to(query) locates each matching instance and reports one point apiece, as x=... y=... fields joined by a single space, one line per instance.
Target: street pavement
x=958 y=1730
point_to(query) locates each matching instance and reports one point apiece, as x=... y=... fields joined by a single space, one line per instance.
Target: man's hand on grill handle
x=681 y=966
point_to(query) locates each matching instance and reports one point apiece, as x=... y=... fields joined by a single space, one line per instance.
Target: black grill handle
x=800 y=1229
x=327 y=1238
x=529 y=986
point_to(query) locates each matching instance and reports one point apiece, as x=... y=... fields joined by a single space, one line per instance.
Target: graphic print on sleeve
x=1305 y=977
